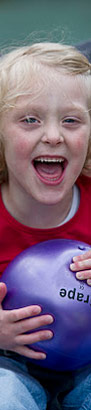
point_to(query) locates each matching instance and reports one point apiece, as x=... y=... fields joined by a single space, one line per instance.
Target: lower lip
x=48 y=181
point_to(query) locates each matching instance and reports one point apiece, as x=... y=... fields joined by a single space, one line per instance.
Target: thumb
x=3 y=291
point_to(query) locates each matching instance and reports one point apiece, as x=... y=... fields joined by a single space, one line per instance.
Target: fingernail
x=75 y=258
x=49 y=335
x=79 y=275
x=72 y=266
x=50 y=319
x=89 y=282
x=37 y=309
x=43 y=356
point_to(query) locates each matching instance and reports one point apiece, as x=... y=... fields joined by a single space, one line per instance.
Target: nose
x=52 y=135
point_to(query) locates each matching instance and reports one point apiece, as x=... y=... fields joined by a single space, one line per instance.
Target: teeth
x=41 y=159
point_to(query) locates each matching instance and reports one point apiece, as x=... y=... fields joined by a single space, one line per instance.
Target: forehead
x=50 y=86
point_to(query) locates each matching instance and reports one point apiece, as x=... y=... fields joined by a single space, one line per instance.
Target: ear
x=3 y=166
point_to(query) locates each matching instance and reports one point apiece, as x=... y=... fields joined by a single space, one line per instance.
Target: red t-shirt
x=15 y=237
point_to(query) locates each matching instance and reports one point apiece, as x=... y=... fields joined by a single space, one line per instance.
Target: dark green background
x=23 y=20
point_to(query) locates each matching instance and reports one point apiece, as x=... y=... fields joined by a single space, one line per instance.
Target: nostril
x=53 y=139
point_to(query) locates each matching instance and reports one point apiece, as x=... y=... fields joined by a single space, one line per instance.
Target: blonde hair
x=21 y=63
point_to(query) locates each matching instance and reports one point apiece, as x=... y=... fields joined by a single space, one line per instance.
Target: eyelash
x=71 y=123
x=27 y=120
x=66 y=121
x=71 y=120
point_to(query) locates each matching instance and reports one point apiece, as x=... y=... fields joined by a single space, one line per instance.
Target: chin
x=49 y=200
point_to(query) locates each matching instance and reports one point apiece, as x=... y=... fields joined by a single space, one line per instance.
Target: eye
x=70 y=121
x=30 y=120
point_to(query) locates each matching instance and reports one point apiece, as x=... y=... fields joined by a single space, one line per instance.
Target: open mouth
x=50 y=169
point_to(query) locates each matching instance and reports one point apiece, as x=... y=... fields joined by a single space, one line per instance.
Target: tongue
x=49 y=170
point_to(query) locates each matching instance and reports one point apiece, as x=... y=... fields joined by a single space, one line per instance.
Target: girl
x=45 y=169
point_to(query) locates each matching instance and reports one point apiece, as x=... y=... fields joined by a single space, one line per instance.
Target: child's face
x=46 y=138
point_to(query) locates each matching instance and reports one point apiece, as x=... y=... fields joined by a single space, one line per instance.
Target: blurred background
x=22 y=21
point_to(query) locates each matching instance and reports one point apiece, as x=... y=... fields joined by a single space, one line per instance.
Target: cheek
x=79 y=155
x=22 y=148
x=80 y=147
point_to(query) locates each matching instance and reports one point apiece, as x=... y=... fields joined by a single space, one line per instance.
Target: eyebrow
x=30 y=108
x=36 y=109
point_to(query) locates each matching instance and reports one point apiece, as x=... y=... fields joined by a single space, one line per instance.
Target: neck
x=35 y=214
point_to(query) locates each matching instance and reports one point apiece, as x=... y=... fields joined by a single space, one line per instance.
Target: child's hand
x=13 y=328
x=82 y=265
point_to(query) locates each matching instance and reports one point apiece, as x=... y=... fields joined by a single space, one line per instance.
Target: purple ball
x=41 y=275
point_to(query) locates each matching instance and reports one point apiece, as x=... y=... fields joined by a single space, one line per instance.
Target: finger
x=86 y=255
x=79 y=265
x=30 y=353
x=84 y=275
x=89 y=282
x=34 y=337
x=18 y=314
x=3 y=291
x=33 y=323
